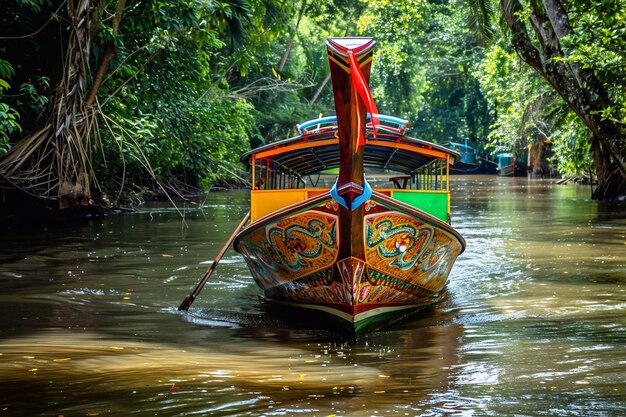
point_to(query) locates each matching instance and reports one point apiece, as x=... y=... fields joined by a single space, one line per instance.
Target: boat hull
x=462 y=168
x=513 y=170
x=397 y=262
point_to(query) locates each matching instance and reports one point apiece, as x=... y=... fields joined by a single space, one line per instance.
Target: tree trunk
x=320 y=88
x=283 y=61
x=292 y=37
x=109 y=54
x=599 y=158
x=54 y=163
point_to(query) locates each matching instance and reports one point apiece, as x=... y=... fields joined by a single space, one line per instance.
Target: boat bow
x=350 y=62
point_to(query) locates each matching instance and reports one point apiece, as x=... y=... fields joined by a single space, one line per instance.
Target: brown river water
x=534 y=323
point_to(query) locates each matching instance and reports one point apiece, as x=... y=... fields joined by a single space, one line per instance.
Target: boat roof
x=316 y=148
x=458 y=145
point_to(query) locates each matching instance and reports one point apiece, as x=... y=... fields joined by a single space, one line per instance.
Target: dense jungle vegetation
x=109 y=100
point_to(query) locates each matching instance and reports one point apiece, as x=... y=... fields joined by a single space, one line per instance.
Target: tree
x=32 y=29
x=563 y=44
x=454 y=107
x=398 y=77
x=298 y=59
x=424 y=69
x=9 y=116
x=144 y=86
x=54 y=162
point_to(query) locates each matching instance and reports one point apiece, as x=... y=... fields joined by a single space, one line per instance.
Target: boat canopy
x=316 y=149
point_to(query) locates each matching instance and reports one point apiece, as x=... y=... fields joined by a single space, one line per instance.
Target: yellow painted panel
x=264 y=202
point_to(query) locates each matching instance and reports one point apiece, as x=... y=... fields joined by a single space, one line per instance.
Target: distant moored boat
x=510 y=166
x=470 y=162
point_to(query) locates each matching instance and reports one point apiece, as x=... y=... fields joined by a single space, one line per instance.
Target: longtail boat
x=361 y=253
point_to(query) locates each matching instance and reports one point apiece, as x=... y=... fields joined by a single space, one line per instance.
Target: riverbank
x=22 y=211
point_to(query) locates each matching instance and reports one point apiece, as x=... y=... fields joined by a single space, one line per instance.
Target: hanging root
x=54 y=163
x=613 y=188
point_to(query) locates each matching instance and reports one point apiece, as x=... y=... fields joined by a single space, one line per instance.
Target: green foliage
x=168 y=95
x=598 y=44
x=278 y=110
x=506 y=87
x=31 y=98
x=423 y=69
x=571 y=148
x=30 y=45
x=194 y=83
x=526 y=109
x=279 y=121
x=191 y=146
x=397 y=26
x=455 y=109
x=523 y=109
x=8 y=115
x=35 y=5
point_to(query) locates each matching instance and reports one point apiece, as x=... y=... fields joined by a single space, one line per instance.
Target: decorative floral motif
x=293 y=247
x=332 y=204
x=369 y=205
x=397 y=238
x=303 y=240
x=406 y=254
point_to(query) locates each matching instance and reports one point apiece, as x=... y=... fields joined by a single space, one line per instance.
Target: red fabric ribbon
x=360 y=86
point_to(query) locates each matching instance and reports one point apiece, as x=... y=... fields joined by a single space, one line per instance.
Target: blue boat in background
x=511 y=166
x=470 y=163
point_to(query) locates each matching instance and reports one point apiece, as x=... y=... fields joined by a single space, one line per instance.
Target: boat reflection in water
x=89 y=373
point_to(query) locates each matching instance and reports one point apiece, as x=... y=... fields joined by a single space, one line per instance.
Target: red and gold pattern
x=408 y=251
x=295 y=259
x=292 y=247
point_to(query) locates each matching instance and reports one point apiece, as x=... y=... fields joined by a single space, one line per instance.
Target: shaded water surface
x=534 y=323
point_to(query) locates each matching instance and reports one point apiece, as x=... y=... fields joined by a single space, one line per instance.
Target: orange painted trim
x=407 y=147
x=297 y=146
x=305 y=145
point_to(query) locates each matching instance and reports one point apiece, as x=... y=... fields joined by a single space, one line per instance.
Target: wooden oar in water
x=192 y=296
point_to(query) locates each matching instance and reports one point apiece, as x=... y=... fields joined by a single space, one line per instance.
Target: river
x=533 y=324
